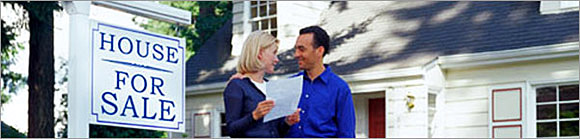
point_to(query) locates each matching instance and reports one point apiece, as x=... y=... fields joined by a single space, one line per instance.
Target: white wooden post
x=78 y=120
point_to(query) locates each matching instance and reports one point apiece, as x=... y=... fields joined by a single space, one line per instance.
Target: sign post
x=78 y=121
x=125 y=77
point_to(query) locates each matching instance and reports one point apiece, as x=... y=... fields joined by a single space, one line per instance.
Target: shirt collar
x=323 y=76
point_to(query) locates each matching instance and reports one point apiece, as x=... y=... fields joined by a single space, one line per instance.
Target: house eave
x=554 y=51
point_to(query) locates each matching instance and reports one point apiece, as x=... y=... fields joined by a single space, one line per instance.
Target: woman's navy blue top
x=241 y=97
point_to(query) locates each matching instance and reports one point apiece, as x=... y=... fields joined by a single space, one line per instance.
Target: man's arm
x=345 y=115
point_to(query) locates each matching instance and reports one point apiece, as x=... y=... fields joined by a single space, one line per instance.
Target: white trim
x=386 y=74
x=205 y=88
x=150 y=9
x=556 y=7
x=552 y=82
x=509 y=56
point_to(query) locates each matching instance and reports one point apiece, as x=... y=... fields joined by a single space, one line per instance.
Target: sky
x=15 y=112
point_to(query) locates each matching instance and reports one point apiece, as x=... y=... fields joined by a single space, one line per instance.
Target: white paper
x=286 y=95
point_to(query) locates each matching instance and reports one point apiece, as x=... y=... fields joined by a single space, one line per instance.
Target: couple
x=325 y=109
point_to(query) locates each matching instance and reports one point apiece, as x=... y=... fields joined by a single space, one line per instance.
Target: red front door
x=377 y=118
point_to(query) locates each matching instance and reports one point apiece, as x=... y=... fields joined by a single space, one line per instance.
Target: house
x=417 y=69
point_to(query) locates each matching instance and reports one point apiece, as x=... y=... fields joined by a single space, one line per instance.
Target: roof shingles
x=370 y=36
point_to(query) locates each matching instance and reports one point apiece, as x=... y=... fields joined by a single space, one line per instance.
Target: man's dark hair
x=320 y=37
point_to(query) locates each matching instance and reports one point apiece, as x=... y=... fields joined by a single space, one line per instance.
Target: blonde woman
x=245 y=99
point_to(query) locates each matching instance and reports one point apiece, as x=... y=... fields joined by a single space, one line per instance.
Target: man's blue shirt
x=327 y=108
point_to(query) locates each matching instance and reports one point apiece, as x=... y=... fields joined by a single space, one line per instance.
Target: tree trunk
x=41 y=73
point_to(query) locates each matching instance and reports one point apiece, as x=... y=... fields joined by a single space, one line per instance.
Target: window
x=202 y=125
x=223 y=128
x=263 y=16
x=557 y=111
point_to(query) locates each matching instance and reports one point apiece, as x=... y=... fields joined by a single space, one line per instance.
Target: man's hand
x=293 y=118
x=237 y=76
x=262 y=109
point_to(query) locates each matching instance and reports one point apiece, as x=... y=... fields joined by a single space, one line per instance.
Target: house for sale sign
x=137 y=78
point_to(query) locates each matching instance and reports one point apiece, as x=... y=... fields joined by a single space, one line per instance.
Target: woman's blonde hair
x=255 y=42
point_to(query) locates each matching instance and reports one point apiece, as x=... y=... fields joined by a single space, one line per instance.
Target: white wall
x=402 y=122
x=467 y=91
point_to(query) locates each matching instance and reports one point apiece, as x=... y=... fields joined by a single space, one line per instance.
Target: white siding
x=240 y=16
x=400 y=121
x=294 y=15
x=203 y=103
x=517 y=72
x=467 y=91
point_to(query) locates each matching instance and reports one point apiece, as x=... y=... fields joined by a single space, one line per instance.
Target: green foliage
x=63 y=114
x=11 y=132
x=101 y=131
x=11 y=80
x=207 y=18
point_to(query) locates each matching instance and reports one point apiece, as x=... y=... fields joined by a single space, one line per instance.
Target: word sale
x=142 y=89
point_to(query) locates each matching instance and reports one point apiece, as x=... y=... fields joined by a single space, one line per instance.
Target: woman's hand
x=262 y=109
x=293 y=118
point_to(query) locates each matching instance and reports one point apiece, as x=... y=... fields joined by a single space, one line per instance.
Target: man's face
x=305 y=53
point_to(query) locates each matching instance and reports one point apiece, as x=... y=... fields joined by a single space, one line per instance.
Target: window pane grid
x=559 y=102
x=263 y=16
x=569 y=120
x=263 y=9
x=557 y=113
x=571 y=137
x=554 y=120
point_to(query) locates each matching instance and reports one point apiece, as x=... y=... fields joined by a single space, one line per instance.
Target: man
x=326 y=101
x=326 y=104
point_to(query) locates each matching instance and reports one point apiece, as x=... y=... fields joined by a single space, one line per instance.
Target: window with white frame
x=263 y=16
x=202 y=125
x=557 y=109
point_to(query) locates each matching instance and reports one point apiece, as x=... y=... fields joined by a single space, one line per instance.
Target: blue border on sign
x=149 y=34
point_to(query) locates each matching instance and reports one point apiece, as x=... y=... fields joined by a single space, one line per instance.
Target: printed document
x=286 y=95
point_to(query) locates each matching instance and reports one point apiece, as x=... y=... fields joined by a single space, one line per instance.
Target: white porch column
x=387 y=91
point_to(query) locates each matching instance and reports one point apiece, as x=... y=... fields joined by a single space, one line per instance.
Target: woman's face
x=269 y=58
